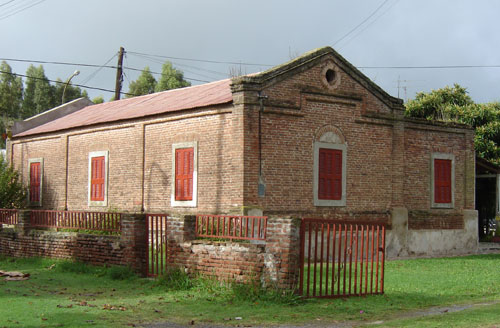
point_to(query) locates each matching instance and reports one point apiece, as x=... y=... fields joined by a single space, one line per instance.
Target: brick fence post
x=282 y=253
x=180 y=229
x=134 y=240
x=23 y=226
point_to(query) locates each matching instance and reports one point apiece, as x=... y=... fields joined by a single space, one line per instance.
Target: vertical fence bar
x=376 y=276
x=372 y=246
x=345 y=259
x=321 y=260
x=350 y=258
x=315 y=257
x=309 y=258
x=334 y=237
x=327 y=257
x=383 y=261
x=301 y=257
x=356 y=261
x=339 y=259
x=362 y=261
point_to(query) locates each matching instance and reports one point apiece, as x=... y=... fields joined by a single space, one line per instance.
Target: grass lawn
x=64 y=294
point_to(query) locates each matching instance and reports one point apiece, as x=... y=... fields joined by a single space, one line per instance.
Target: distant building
x=313 y=137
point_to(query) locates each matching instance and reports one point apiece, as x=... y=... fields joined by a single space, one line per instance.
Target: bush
x=12 y=192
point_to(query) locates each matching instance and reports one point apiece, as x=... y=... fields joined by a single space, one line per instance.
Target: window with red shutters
x=442 y=181
x=330 y=174
x=97 y=181
x=35 y=179
x=184 y=167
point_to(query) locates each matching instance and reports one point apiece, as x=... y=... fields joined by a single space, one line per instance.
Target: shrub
x=12 y=192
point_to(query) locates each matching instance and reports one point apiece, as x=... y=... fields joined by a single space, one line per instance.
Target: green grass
x=62 y=293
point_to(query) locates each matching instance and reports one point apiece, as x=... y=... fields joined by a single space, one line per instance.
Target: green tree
x=71 y=93
x=98 y=100
x=11 y=92
x=171 y=78
x=455 y=105
x=38 y=94
x=145 y=84
x=12 y=192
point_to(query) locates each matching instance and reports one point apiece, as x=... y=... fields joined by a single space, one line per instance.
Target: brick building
x=313 y=137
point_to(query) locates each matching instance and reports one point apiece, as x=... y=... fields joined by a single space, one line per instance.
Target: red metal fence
x=231 y=227
x=95 y=221
x=9 y=216
x=341 y=258
x=156 y=257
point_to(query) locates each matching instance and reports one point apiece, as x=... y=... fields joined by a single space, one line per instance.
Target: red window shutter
x=35 y=179
x=98 y=172
x=442 y=181
x=184 y=167
x=330 y=174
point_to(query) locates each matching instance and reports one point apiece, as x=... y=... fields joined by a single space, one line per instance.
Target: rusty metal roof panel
x=209 y=94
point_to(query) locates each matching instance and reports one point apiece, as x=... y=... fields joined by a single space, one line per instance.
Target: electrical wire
x=92 y=75
x=56 y=62
x=357 y=26
x=20 y=10
x=76 y=85
x=429 y=67
x=140 y=70
x=200 y=60
x=369 y=24
x=6 y=3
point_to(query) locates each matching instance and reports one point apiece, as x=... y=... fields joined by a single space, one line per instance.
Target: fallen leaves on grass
x=113 y=307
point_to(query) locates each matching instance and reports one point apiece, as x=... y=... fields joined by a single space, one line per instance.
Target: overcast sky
x=392 y=33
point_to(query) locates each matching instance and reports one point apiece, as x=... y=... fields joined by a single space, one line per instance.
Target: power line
x=56 y=63
x=6 y=3
x=140 y=70
x=370 y=24
x=20 y=10
x=200 y=60
x=356 y=27
x=429 y=67
x=76 y=85
x=92 y=75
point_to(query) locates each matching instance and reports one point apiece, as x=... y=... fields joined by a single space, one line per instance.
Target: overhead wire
x=12 y=13
x=362 y=22
x=92 y=75
x=6 y=3
x=369 y=24
x=76 y=85
x=200 y=60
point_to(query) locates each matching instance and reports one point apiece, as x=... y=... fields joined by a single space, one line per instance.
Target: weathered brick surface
x=273 y=262
x=128 y=249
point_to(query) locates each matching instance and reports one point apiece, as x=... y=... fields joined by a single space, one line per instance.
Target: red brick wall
x=100 y=250
x=218 y=132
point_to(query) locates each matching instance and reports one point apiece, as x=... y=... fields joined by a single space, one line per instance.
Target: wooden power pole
x=119 y=73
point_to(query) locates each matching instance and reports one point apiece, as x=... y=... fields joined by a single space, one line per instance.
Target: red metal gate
x=341 y=258
x=156 y=227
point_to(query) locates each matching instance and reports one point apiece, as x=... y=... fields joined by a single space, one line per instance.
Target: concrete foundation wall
x=404 y=242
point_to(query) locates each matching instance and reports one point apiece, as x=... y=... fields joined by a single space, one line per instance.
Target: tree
x=455 y=105
x=171 y=78
x=12 y=192
x=145 y=84
x=38 y=94
x=98 y=100
x=11 y=92
x=71 y=93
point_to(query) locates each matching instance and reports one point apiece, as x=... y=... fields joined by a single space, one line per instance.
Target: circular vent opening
x=330 y=76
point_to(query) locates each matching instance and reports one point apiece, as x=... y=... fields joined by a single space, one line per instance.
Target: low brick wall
x=274 y=262
x=95 y=249
x=128 y=249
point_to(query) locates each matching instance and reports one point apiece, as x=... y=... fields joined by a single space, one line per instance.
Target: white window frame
x=446 y=156
x=35 y=160
x=329 y=202
x=194 y=201
x=93 y=154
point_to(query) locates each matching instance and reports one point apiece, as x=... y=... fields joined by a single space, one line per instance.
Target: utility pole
x=119 y=74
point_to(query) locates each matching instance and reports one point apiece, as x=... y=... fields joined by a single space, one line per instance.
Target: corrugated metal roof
x=214 y=93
